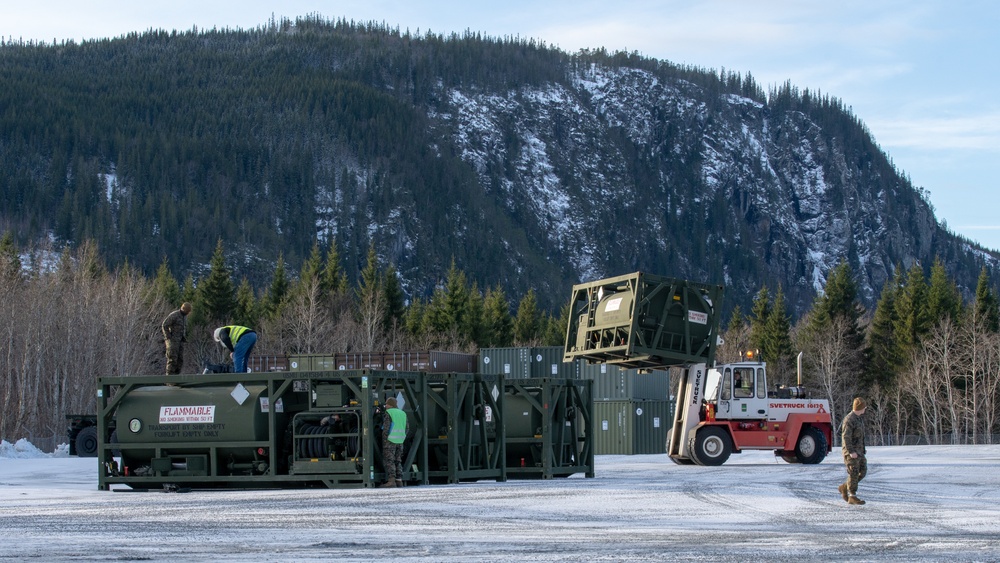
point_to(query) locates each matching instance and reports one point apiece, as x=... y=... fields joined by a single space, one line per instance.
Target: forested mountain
x=527 y=166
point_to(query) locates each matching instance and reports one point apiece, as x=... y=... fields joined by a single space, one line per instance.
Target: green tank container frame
x=548 y=428
x=266 y=429
x=253 y=429
x=643 y=321
x=465 y=430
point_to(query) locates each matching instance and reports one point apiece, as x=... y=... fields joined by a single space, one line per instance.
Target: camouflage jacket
x=852 y=434
x=174 y=326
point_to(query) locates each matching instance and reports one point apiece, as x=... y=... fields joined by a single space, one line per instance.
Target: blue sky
x=924 y=76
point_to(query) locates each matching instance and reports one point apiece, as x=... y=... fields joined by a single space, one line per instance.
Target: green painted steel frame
x=553 y=398
x=455 y=394
x=365 y=385
x=630 y=345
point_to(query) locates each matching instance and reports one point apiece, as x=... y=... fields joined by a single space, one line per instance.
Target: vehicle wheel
x=711 y=446
x=86 y=442
x=789 y=458
x=811 y=447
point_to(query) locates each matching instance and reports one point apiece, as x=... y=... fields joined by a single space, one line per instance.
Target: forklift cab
x=739 y=391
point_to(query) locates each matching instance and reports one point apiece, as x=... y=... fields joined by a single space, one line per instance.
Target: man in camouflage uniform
x=852 y=437
x=174 y=337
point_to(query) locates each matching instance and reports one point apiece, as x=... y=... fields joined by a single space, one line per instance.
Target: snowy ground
x=924 y=503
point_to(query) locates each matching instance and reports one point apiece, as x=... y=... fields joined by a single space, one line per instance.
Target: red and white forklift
x=728 y=409
x=653 y=322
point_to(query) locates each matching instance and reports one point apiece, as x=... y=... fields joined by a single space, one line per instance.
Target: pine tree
x=10 y=262
x=472 y=327
x=216 y=294
x=166 y=286
x=498 y=325
x=760 y=312
x=527 y=322
x=371 y=302
x=189 y=294
x=448 y=309
x=913 y=319
x=277 y=291
x=415 y=321
x=736 y=339
x=312 y=268
x=395 y=304
x=777 y=343
x=986 y=308
x=245 y=313
x=943 y=298
x=839 y=303
x=839 y=299
x=885 y=356
x=371 y=279
x=556 y=328
x=334 y=278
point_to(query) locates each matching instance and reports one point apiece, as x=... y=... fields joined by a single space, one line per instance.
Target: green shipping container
x=612 y=383
x=631 y=427
x=526 y=362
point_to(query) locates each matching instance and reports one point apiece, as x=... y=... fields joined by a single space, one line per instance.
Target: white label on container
x=181 y=415
x=656 y=422
x=698 y=317
x=265 y=405
x=638 y=412
x=613 y=304
x=555 y=369
x=604 y=425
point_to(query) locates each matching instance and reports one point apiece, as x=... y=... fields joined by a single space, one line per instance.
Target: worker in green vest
x=393 y=436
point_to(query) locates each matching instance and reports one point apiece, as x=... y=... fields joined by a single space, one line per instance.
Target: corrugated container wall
x=526 y=362
x=431 y=361
x=310 y=362
x=631 y=427
x=612 y=383
x=358 y=360
x=267 y=363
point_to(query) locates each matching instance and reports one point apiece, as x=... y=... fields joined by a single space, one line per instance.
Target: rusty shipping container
x=431 y=361
x=267 y=363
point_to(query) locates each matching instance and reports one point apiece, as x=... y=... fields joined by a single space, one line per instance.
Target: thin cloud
x=967 y=132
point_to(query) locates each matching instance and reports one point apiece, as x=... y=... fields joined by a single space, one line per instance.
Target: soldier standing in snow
x=852 y=439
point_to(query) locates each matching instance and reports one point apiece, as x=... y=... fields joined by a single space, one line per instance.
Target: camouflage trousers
x=175 y=356
x=857 y=468
x=392 y=457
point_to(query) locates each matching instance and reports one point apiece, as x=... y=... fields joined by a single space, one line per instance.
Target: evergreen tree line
x=927 y=363
x=68 y=319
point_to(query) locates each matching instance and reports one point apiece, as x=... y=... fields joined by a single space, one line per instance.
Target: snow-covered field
x=924 y=503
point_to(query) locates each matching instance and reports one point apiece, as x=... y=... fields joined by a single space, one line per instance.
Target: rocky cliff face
x=618 y=169
x=527 y=166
